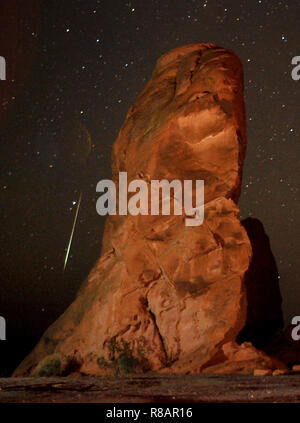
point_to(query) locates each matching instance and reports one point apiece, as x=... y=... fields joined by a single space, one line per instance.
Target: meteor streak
x=72 y=233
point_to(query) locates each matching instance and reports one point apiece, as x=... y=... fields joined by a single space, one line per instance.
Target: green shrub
x=122 y=359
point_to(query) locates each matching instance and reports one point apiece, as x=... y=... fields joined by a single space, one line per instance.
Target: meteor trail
x=72 y=233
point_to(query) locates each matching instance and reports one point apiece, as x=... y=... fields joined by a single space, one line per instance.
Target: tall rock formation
x=164 y=296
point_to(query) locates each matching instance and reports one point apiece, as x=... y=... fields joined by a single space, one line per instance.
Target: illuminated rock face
x=164 y=296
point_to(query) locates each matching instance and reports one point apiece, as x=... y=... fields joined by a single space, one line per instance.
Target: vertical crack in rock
x=195 y=66
x=153 y=318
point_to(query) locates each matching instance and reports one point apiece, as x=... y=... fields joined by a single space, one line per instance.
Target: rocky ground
x=143 y=389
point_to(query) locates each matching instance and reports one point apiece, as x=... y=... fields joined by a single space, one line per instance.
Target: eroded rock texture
x=164 y=296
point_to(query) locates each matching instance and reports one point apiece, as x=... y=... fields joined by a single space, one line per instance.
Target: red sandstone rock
x=296 y=368
x=262 y=372
x=163 y=296
x=243 y=359
x=280 y=372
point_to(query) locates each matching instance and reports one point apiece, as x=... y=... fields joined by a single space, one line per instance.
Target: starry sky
x=85 y=61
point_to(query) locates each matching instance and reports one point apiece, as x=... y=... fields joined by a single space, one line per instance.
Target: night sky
x=86 y=61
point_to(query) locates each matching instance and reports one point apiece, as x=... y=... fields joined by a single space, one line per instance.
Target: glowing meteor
x=72 y=233
x=75 y=149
